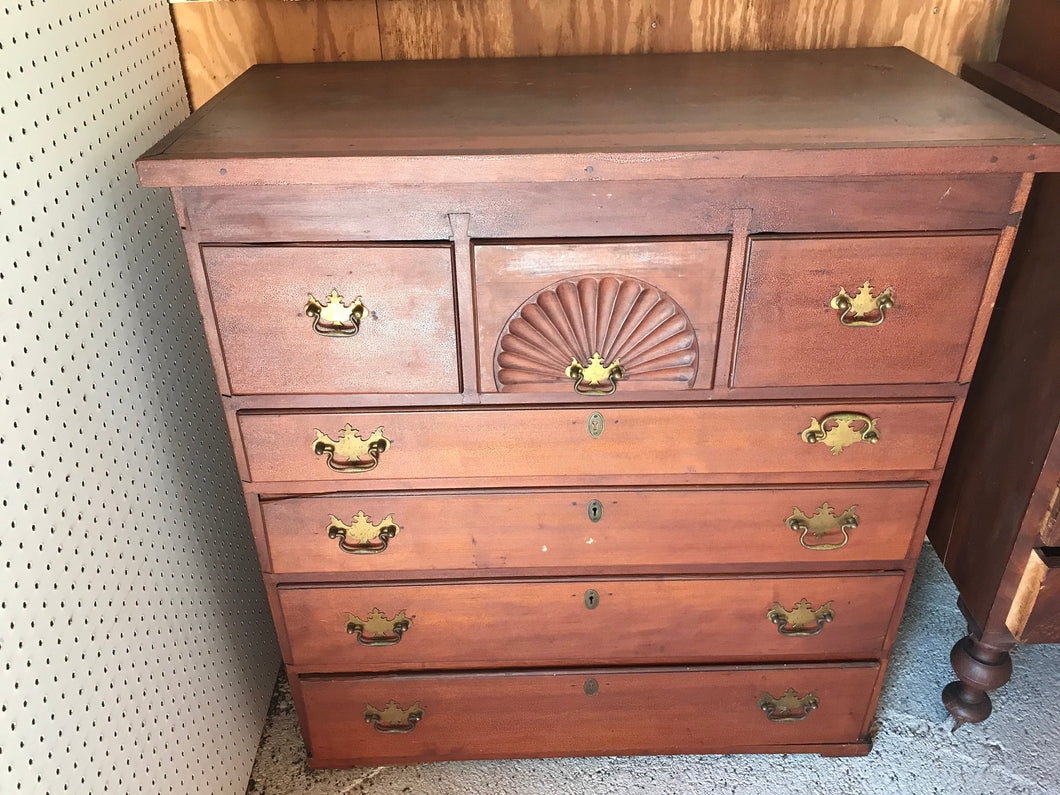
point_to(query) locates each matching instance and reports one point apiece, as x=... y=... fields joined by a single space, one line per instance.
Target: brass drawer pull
x=336 y=319
x=841 y=429
x=393 y=719
x=593 y=374
x=821 y=523
x=377 y=629
x=790 y=707
x=862 y=305
x=795 y=623
x=348 y=453
x=360 y=536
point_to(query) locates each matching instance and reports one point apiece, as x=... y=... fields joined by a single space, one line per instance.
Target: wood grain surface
x=691 y=273
x=599 y=118
x=407 y=338
x=789 y=333
x=220 y=39
x=637 y=530
x=548 y=713
x=480 y=444
x=521 y=624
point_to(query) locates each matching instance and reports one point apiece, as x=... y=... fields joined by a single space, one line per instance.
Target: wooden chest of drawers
x=594 y=405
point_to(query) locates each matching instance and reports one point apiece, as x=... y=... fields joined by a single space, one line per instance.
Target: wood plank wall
x=218 y=39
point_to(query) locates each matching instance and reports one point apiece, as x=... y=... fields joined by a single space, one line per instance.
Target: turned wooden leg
x=980 y=667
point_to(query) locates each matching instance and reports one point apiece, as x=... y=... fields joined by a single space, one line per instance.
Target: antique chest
x=594 y=405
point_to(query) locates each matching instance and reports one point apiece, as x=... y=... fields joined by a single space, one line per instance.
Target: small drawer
x=286 y=317
x=859 y=310
x=584 y=531
x=375 y=720
x=686 y=441
x=586 y=622
x=652 y=306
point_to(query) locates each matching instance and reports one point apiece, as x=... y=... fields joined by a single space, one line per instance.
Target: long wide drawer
x=583 y=530
x=582 y=622
x=410 y=718
x=687 y=440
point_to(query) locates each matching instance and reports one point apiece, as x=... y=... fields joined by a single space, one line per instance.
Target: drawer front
x=405 y=341
x=793 y=330
x=551 y=713
x=1034 y=615
x=580 y=530
x=652 y=305
x=584 y=622
x=411 y=446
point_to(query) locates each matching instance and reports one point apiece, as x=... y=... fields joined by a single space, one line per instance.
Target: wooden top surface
x=598 y=117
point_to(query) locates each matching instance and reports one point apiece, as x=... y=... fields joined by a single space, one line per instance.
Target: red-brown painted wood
x=440 y=444
x=600 y=306
x=789 y=333
x=406 y=342
x=548 y=713
x=655 y=155
x=641 y=208
x=499 y=532
x=880 y=111
x=522 y=624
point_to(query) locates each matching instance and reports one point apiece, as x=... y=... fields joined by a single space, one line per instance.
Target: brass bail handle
x=822 y=522
x=790 y=707
x=392 y=719
x=377 y=629
x=589 y=378
x=350 y=452
x=361 y=536
x=333 y=317
x=864 y=308
x=803 y=620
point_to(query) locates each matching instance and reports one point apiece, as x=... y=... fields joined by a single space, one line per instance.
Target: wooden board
x=221 y=38
x=218 y=41
x=589 y=118
x=520 y=624
x=550 y=712
x=632 y=531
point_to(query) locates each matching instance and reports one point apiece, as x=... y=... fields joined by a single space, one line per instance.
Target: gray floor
x=1015 y=752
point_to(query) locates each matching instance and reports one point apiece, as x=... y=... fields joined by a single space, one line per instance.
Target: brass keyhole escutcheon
x=592 y=599
x=592 y=687
x=595 y=510
x=596 y=424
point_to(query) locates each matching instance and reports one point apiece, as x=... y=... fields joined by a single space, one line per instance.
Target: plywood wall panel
x=220 y=38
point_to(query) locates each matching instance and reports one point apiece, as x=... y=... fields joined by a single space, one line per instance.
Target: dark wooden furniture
x=995 y=523
x=594 y=405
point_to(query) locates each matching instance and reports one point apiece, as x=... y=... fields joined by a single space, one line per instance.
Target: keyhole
x=595 y=510
x=592 y=599
x=596 y=424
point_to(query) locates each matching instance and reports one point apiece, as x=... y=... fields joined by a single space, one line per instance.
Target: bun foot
x=980 y=668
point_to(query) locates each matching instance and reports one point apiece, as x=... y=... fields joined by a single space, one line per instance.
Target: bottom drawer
x=411 y=718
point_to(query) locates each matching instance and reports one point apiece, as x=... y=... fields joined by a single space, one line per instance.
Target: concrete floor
x=1015 y=752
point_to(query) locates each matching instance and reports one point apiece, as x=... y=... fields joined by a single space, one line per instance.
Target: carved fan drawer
x=334 y=319
x=579 y=622
x=859 y=310
x=591 y=318
x=412 y=718
x=614 y=442
x=590 y=530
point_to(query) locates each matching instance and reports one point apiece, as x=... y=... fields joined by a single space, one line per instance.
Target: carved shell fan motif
x=617 y=317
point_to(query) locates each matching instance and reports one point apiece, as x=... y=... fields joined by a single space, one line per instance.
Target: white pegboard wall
x=136 y=650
